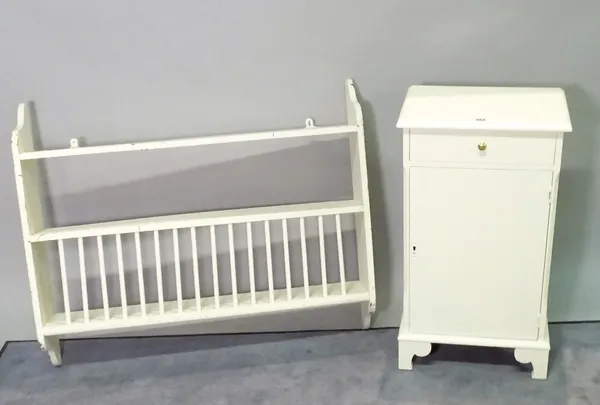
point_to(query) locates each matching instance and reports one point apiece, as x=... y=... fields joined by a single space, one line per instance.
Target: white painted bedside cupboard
x=481 y=170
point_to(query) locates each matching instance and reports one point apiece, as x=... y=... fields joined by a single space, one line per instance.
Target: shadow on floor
x=471 y=354
x=81 y=351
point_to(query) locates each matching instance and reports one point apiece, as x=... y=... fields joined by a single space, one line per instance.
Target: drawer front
x=513 y=148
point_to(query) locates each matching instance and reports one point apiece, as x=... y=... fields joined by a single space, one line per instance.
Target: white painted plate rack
x=52 y=323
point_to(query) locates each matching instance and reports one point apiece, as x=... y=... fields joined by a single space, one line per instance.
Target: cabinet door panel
x=478 y=241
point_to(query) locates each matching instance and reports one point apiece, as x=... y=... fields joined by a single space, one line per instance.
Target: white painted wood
x=286 y=259
x=269 y=261
x=538 y=359
x=64 y=280
x=51 y=324
x=366 y=311
x=406 y=231
x=481 y=169
x=44 y=287
x=54 y=350
x=322 y=255
x=198 y=141
x=159 y=278
x=121 y=269
x=140 y=272
x=104 y=287
x=30 y=199
x=83 y=277
x=251 y=263
x=473 y=341
x=177 y=270
x=360 y=188
x=471 y=273
x=215 y=269
x=501 y=147
x=356 y=294
x=488 y=166
x=232 y=265
x=304 y=259
x=485 y=108
x=195 y=269
x=550 y=239
x=200 y=219
x=408 y=350
x=340 y=248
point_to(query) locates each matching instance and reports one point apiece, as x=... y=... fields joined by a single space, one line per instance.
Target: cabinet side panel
x=406 y=230
x=550 y=239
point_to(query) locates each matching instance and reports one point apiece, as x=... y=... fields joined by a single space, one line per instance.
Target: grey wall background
x=115 y=71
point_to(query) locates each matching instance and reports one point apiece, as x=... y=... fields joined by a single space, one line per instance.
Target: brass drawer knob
x=482 y=146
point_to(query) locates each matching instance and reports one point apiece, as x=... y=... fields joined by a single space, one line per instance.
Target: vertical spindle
x=84 y=292
x=232 y=265
x=195 y=268
x=251 y=262
x=304 y=259
x=286 y=258
x=140 y=271
x=159 y=280
x=340 y=246
x=64 y=281
x=269 y=261
x=177 y=270
x=213 y=252
x=121 y=274
x=322 y=254
x=105 y=305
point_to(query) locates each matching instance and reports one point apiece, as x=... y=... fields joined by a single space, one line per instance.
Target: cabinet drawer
x=523 y=149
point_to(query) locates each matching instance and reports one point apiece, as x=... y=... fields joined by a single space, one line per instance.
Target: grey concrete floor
x=357 y=367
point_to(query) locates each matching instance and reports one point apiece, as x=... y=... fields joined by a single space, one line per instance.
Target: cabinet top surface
x=485 y=108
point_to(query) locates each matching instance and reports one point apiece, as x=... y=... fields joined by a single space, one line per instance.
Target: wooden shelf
x=152 y=310
x=199 y=219
x=197 y=141
x=355 y=293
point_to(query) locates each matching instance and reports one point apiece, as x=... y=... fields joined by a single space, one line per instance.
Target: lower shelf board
x=355 y=293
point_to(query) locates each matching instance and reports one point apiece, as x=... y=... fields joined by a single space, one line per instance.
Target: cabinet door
x=477 y=243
